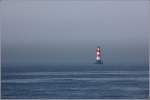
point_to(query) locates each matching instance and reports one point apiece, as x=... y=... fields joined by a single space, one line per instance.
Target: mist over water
x=74 y=54
x=45 y=32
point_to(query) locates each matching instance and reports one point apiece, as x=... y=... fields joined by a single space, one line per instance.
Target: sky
x=48 y=31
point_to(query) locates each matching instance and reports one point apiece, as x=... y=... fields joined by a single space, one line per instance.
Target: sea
x=75 y=81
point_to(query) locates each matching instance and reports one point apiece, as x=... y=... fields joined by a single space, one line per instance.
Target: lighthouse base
x=99 y=62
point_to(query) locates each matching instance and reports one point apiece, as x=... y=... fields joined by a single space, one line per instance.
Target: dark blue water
x=75 y=81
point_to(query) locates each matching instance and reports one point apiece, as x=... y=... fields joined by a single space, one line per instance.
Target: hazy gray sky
x=121 y=24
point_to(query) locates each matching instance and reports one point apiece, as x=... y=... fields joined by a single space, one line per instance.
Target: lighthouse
x=98 y=56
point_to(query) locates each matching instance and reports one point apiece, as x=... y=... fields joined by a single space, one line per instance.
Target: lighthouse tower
x=98 y=55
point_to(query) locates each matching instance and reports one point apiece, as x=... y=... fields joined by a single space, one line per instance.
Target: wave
x=80 y=73
x=36 y=80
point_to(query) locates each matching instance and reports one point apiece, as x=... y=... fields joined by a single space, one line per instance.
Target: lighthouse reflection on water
x=99 y=56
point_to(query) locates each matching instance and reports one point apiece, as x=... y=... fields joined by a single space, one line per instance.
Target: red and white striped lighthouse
x=98 y=55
